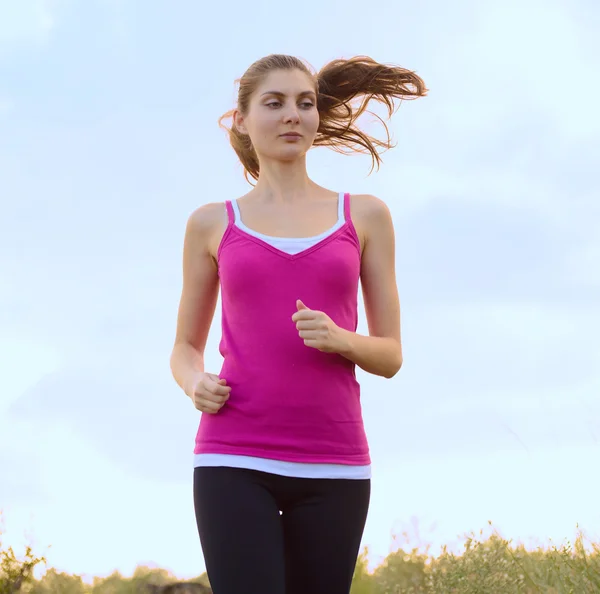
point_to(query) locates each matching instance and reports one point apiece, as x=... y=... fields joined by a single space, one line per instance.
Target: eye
x=305 y=104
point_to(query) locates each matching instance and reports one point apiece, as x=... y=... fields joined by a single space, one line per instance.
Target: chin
x=287 y=154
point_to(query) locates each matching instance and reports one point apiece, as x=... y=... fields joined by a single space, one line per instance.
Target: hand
x=209 y=393
x=318 y=330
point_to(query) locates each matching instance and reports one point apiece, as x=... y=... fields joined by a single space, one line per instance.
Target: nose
x=291 y=115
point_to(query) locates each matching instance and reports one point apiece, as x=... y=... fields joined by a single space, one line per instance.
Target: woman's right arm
x=198 y=296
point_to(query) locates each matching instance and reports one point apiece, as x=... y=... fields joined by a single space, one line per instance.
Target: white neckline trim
x=339 y=223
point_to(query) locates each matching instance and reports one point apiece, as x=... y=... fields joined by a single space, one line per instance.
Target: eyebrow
x=280 y=94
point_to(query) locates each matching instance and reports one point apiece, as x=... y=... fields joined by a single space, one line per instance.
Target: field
x=484 y=566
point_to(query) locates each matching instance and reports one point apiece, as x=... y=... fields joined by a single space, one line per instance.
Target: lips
x=292 y=135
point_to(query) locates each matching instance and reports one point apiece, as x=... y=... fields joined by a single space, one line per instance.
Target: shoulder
x=208 y=216
x=369 y=208
x=370 y=215
x=206 y=225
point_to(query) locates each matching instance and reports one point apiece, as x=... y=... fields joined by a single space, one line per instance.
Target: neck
x=284 y=182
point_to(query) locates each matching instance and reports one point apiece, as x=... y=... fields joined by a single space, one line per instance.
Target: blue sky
x=109 y=140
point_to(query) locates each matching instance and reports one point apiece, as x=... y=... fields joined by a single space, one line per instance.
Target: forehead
x=289 y=82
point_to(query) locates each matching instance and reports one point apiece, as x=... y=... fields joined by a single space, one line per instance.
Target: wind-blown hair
x=344 y=88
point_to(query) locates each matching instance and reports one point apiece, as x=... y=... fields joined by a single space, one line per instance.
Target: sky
x=109 y=140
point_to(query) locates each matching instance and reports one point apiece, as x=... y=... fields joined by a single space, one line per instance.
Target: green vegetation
x=491 y=566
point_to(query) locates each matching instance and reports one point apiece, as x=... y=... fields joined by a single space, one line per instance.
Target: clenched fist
x=209 y=393
x=318 y=330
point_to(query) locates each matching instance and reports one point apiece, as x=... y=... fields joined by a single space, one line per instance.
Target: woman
x=282 y=466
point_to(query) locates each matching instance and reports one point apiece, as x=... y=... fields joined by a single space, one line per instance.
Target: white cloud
x=24 y=21
x=511 y=108
x=116 y=9
x=538 y=58
x=23 y=362
x=6 y=105
x=77 y=479
x=582 y=263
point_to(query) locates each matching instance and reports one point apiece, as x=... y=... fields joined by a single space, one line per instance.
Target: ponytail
x=344 y=90
x=346 y=87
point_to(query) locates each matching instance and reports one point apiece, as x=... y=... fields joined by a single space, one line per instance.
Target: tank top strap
x=347 y=216
x=230 y=213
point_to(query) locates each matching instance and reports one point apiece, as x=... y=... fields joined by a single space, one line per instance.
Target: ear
x=238 y=122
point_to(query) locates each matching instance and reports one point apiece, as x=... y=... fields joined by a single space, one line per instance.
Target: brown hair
x=344 y=89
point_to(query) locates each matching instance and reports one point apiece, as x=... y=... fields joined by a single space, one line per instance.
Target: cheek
x=267 y=124
x=313 y=120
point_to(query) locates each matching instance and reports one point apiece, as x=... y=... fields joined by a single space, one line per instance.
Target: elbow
x=174 y=356
x=392 y=371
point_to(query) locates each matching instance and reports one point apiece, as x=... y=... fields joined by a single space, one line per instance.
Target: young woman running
x=282 y=465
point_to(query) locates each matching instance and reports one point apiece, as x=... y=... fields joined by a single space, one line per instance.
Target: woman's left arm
x=380 y=353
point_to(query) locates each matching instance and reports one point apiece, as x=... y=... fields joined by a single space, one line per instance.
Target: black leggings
x=250 y=547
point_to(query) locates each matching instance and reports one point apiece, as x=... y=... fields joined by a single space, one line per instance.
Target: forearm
x=377 y=355
x=186 y=364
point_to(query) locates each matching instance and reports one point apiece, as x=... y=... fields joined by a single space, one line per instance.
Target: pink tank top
x=288 y=401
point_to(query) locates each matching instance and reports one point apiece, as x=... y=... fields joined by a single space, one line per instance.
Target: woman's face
x=284 y=102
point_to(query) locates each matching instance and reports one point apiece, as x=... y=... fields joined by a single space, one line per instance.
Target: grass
x=491 y=566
